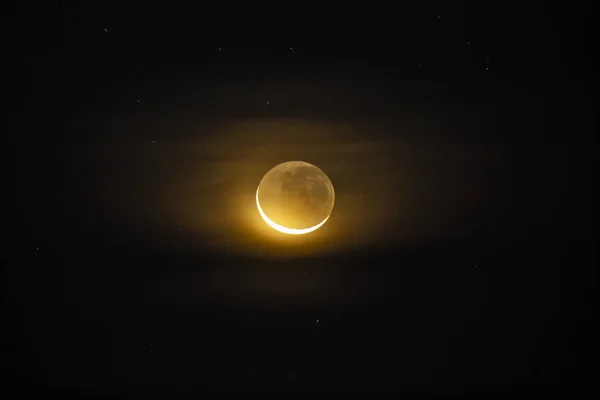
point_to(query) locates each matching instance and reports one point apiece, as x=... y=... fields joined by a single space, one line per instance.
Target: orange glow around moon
x=283 y=229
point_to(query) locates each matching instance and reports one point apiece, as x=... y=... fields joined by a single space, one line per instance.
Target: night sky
x=459 y=258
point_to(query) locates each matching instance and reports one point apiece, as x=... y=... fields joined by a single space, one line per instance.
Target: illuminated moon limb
x=283 y=229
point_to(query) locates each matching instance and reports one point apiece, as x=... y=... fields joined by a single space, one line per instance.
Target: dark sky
x=459 y=258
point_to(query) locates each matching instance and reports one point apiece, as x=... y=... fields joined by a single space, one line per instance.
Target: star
x=153 y=141
x=317 y=321
x=268 y=103
x=106 y=30
x=37 y=248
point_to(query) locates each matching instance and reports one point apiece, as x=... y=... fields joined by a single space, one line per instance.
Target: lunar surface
x=295 y=197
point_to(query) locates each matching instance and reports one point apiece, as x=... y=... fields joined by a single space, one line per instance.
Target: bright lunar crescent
x=295 y=197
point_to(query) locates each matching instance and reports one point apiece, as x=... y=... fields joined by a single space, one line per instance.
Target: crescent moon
x=283 y=229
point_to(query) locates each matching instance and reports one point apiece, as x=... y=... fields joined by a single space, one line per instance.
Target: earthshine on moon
x=295 y=198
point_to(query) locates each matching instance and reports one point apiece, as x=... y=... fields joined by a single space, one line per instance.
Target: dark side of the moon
x=296 y=195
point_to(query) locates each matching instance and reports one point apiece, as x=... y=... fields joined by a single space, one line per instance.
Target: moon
x=295 y=198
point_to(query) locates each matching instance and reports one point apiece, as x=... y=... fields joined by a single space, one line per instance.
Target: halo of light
x=283 y=229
